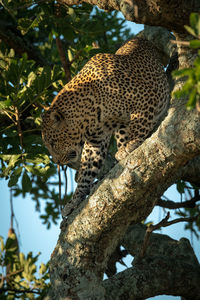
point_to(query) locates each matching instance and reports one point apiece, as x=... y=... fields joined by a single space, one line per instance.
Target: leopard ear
x=57 y=117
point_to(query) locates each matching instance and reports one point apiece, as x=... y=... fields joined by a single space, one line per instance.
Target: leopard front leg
x=92 y=159
x=133 y=135
x=122 y=137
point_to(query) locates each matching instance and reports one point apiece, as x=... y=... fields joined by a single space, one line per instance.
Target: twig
x=173 y=205
x=148 y=233
x=40 y=105
x=12 y=210
x=9 y=116
x=8 y=10
x=62 y=202
x=65 y=62
x=65 y=174
x=190 y=219
x=12 y=274
x=162 y=223
x=135 y=8
x=182 y=43
x=5 y=278
x=76 y=56
x=19 y=291
x=19 y=129
x=8 y=127
x=59 y=178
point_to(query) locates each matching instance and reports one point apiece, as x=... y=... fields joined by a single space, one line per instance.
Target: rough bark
x=171 y=14
x=126 y=196
x=169 y=267
x=162 y=275
x=191 y=172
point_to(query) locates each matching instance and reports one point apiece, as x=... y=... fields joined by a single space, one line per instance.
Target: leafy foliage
x=32 y=75
x=20 y=277
x=24 y=160
x=191 y=87
x=189 y=192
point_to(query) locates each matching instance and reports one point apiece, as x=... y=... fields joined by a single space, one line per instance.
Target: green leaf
x=31 y=77
x=11 y=243
x=43 y=268
x=25 y=24
x=39 y=159
x=11 y=160
x=180 y=185
x=26 y=183
x=183 y=72
x=195 y=44
x=14 y=177
x=195 y=22
x=2 y=244
x=192 y=99
x=190 y=30
x=5 y=104
x=198 y=87
x=21 y=258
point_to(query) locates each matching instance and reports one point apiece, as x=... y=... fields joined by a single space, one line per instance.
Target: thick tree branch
x=65 y=62
x=126 y=196
x=191 y=172
x=172 y=14
x=161 y=276
x=169 y=267
x=174 y=205
x=162 y=223
x=160 y=244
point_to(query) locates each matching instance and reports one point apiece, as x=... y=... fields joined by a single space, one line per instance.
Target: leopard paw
x=132 y=145
x=68 y=209
x=72 y=204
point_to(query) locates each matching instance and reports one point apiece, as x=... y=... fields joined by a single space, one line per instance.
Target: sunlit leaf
x=195 y=22
x=192 y=99
x=195 y=44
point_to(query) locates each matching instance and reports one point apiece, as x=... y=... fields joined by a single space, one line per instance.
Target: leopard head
x=62 y=138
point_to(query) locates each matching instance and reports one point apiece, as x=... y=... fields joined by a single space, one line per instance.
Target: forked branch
x=163 y=223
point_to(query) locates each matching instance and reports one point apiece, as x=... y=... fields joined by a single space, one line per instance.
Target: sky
x=33 y=236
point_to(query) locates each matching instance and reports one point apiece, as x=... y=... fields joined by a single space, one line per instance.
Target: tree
x=32 y=35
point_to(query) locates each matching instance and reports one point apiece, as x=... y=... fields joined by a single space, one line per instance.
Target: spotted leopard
x=123 y=94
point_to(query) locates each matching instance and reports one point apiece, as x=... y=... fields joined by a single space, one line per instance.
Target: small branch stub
x=163 y=223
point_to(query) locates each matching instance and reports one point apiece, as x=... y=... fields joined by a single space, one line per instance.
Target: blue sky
x=36 y=238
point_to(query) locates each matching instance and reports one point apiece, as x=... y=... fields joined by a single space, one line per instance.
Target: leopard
x=123 y=95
